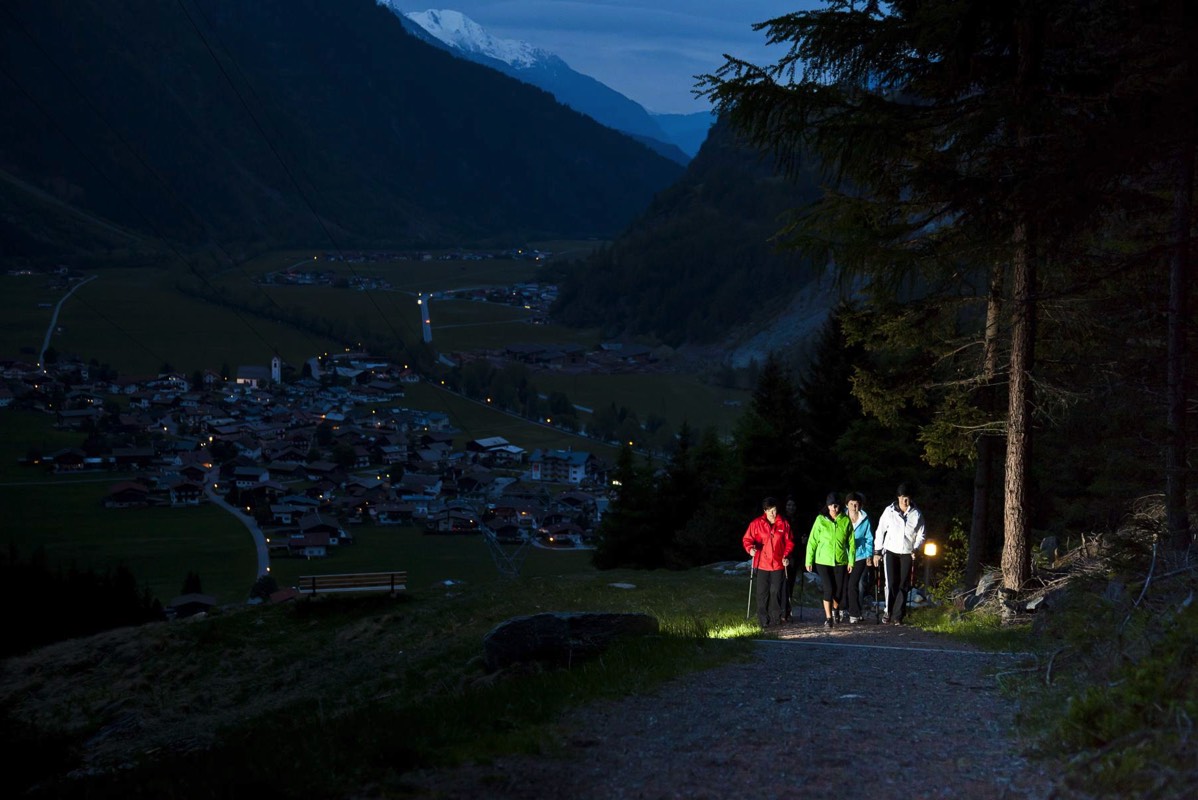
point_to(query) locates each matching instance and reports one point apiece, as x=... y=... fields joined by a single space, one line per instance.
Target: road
x=41 y=357
x=249 y=522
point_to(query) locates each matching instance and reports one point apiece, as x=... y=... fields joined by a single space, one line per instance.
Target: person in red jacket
x=768 y=542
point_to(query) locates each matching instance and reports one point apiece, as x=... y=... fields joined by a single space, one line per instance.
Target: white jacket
x=898 y=532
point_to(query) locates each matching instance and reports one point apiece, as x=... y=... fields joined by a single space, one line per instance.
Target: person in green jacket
x=828 y=552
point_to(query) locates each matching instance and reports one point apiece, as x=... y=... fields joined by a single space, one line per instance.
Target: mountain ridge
x=293 y=122
x=525 y=62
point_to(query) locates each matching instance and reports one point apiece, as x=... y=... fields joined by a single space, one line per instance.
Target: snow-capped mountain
x=467 y=39
x=457 y=30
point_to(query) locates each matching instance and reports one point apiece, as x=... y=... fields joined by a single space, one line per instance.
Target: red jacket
x=773 y=542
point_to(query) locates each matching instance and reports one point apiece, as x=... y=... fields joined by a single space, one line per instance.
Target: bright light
x=930 y=549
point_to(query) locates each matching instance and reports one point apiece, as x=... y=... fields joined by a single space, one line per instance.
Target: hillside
x=139 y=113
x=524 y=62
x=701 y=261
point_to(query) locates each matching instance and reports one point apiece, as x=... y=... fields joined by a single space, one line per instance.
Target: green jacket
x=829 y=541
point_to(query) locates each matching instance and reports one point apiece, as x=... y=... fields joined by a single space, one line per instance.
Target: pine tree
x=964 y=145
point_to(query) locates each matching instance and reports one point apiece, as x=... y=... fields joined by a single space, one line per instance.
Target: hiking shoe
x=898 y=622
x=828 y=623
x=854 y=620
x=885 y=619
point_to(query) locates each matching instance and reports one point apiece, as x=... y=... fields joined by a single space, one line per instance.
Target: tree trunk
x=1180 y=17
x=1176 y=516
x=1016 y=519
x=979 y=524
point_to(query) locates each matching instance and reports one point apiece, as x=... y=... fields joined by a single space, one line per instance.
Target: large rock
x=560 y=638
x=989 y=580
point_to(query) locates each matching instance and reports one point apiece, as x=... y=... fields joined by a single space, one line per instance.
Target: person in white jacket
x=898 y=536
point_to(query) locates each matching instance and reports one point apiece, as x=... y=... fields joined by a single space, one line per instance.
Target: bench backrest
x=354 y=582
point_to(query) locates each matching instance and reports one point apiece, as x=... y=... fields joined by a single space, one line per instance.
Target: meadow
x=67 y=519
x=137 y=320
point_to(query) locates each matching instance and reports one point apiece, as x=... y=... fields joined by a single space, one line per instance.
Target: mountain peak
x=457 y=30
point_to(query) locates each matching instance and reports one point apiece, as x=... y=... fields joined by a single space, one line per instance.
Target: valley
x=122 y=332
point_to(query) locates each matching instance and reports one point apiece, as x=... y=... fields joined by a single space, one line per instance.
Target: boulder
x=988 y=581
x=560 y=638
x=1049 y=548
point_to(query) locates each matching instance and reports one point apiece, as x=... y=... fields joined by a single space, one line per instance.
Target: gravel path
x=808 y=714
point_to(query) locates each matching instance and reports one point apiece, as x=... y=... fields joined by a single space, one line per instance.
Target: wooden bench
x=354 y=582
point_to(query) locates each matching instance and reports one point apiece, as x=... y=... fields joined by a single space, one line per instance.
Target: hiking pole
x=802 y=586
x=877 y=592
x=910 y=599
x=785 y=598
x=752 y=572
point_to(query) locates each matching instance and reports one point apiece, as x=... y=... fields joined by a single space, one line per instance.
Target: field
x=428 y=559
x=137 y=321
x=476 y=420
x=159 y=545
x=676 y=398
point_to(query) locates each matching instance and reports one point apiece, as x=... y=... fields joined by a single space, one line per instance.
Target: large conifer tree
x=964 y=147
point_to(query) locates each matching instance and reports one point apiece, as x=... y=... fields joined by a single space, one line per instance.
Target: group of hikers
x=842 y=545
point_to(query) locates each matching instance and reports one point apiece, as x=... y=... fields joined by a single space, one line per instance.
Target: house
x=79 y=418
x=132 y=457
x=309 y=545
x=186 y=493
x=188 y=605
x=453 y=520
x=508 y=532
x=563 y=534
x=287 y=513
x=315 y=524
x=559 y=466
x=127 y=494
x=72 y=459
x=392 y=514
x=245 y=477
x=253 y=377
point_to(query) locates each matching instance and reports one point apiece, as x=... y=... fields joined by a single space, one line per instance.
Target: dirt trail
x=867 y=710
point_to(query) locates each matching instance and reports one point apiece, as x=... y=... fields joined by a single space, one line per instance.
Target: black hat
x=904 y=490
x=833 y=499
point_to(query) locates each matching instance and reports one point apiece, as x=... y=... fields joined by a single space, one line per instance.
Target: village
x=308 y=459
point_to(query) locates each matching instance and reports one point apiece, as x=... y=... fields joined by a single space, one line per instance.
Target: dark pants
x=792 y=575
x=831 y=580
x=898 y=583
x=853 y=587
x=770 y=584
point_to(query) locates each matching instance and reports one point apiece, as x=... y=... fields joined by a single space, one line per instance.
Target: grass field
x=671 y=396
x=159 y=545
x=136 y=320
x=428 y=559
x=476 y=420
x=22 y=430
